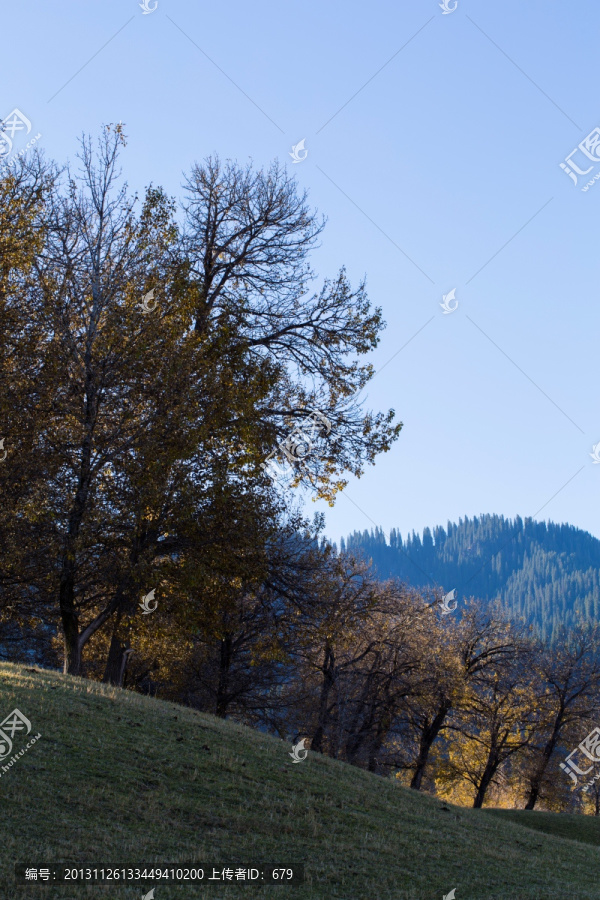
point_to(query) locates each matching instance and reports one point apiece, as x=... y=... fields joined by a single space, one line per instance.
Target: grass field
x=585 y=829
x=119 y=779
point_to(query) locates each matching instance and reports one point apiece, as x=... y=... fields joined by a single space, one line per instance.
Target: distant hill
x=546 y=573
x=117 y=779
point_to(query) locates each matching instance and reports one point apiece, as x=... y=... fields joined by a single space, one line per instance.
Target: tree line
x=135 y=434
x=546 y=573
x=469 y=706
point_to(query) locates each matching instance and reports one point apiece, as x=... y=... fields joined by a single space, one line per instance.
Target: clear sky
x=434 y=147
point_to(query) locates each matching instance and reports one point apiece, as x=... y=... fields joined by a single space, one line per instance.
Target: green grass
x=585 y=829
x=117 y=778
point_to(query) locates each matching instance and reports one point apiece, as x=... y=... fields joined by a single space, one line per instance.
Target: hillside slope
x=121 y=779
x=545 y=573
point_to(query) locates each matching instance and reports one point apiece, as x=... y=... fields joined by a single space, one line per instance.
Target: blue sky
x=434 y=143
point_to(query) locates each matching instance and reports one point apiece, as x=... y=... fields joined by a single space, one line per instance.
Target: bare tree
x=247 y=239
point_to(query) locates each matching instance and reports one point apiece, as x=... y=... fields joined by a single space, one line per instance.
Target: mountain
x=546 y=573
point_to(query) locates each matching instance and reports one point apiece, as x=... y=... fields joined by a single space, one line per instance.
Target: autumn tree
x=388 y=676
x=459 y=651
x=569 y=671
x=25 y=604
x=153 y=417
x=497 y=717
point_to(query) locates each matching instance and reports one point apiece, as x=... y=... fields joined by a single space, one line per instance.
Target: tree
x=439 y=692
x=388 y=677
x=24 y=190
x=246 y=244
x=95 y=257
x=570 y=672
x=150 y=428
x=324 y=602
x=498 y=716
x=462 y=652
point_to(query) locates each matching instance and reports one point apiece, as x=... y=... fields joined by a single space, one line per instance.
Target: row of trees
x=135 y=437
x=373 y=674
x=547 y=573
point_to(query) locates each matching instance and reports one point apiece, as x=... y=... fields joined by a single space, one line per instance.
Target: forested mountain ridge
x=546 y=573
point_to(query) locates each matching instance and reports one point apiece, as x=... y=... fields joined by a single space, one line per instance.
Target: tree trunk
x=428 y=736
x=536 y=781
x=383 y=723
x=365 y=711
x=383 y=729
x=223 y=699
x=116 y=664
x=488 y=774
x=70 y=623
x=73 y=645
x=328 y=679
x=357 y=738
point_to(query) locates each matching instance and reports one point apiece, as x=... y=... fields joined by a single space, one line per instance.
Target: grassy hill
x=121 y=779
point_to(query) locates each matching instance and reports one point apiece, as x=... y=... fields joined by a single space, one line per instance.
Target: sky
x=433 y=143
